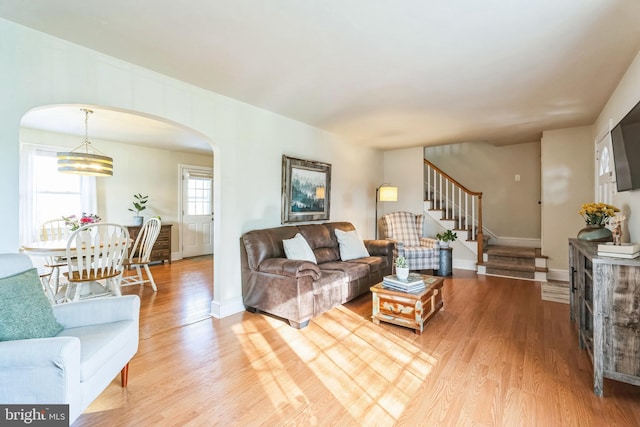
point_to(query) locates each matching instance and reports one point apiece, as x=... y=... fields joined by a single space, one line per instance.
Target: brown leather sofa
x=299 y=290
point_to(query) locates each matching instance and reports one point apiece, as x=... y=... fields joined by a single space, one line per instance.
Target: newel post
x=480 y=236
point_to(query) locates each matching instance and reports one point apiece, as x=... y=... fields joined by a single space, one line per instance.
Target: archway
x=146 y=151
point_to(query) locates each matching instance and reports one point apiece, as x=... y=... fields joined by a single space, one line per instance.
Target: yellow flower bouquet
x=597 y=213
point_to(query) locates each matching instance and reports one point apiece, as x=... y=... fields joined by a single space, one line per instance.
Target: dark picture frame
x=306 y=190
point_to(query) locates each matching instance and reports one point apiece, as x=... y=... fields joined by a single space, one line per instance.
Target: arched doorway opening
x=146 y=150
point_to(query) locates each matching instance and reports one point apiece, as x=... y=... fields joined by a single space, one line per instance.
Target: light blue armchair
x=99 y=338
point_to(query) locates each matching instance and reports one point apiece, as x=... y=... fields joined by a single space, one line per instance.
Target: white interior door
x=197 y=211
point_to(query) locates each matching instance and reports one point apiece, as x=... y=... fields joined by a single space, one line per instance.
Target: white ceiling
x=383 y=73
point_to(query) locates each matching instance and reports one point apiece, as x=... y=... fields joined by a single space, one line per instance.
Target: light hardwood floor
x=496 y=356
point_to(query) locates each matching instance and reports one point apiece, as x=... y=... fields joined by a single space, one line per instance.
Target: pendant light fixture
x=85 y=159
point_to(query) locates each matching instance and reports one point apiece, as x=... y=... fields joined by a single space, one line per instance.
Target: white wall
x=568 y=159
x=248 y=142
x=567 y=183
x=624 y=97
x=137 y=169
x=510 y=208
x=403 y=169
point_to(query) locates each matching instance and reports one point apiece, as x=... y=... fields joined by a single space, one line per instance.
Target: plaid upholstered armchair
x=405 y=230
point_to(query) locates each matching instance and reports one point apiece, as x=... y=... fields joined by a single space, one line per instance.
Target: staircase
x=456 y=208
x=555 y=291
x=513 y=261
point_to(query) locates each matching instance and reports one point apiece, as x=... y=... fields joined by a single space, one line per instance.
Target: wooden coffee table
x=411 y=310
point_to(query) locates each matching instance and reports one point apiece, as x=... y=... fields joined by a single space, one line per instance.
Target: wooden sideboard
x=162 y=247
x=605 y=304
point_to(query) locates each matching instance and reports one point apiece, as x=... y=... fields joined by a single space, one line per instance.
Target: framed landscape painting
x=306 y=190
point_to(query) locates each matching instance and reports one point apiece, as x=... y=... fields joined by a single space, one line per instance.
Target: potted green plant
x=446 y=238
x=402 y=268
x=139 y=204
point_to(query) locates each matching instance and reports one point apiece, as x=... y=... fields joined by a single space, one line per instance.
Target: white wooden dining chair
x=140 y=255
x=45 y=274
x=54 y=229
x=95 y=258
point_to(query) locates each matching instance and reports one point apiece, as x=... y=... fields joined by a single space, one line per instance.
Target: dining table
x=46 y=248
x=51 y=250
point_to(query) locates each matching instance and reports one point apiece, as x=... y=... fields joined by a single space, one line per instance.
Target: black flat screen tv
x=625 y=142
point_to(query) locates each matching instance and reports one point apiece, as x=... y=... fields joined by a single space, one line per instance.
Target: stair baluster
x=441 y=192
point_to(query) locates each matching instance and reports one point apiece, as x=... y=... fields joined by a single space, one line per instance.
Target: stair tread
x=502 y=260
x=559 y=284
x=514 y=251
x=513 y=267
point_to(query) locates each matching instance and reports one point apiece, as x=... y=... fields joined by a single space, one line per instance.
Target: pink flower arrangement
x=74 y=222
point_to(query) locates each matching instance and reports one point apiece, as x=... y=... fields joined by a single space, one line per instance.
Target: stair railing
x=456 y=201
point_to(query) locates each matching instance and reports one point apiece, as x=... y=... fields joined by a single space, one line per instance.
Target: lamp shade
x=81 y=163
x=84 y=159
x=388 y=194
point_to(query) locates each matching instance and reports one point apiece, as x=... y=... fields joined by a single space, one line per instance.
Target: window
x=56 y=194
x=605 y=163
x=48 y=194
x=199 y=195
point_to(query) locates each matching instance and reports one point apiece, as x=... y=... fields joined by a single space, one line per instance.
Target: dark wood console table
x=161 y=251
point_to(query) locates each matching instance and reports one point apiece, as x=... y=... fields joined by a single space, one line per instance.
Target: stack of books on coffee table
x=623 y=250
x=413 y=283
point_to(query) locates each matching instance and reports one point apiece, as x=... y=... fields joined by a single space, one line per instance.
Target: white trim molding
x=464 y=264
x=227 y=308
x=558 y=275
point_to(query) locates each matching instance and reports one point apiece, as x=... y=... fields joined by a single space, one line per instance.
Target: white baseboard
x=464 y=264
x=558 y=275
x=227 y=308
x=540 y=276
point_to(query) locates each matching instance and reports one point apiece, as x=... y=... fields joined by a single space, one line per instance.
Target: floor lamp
x=385 y=193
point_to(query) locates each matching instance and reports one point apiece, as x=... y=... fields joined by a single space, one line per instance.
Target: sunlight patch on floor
x=378 y=373
x=279 y=386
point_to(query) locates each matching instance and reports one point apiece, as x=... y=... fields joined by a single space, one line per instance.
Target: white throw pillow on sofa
x=297 y=248
x=351 y=245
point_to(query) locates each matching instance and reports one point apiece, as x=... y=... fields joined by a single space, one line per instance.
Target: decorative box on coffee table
x=408 y=309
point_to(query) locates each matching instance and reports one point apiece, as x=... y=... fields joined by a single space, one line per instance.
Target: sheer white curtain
x=46 y=193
